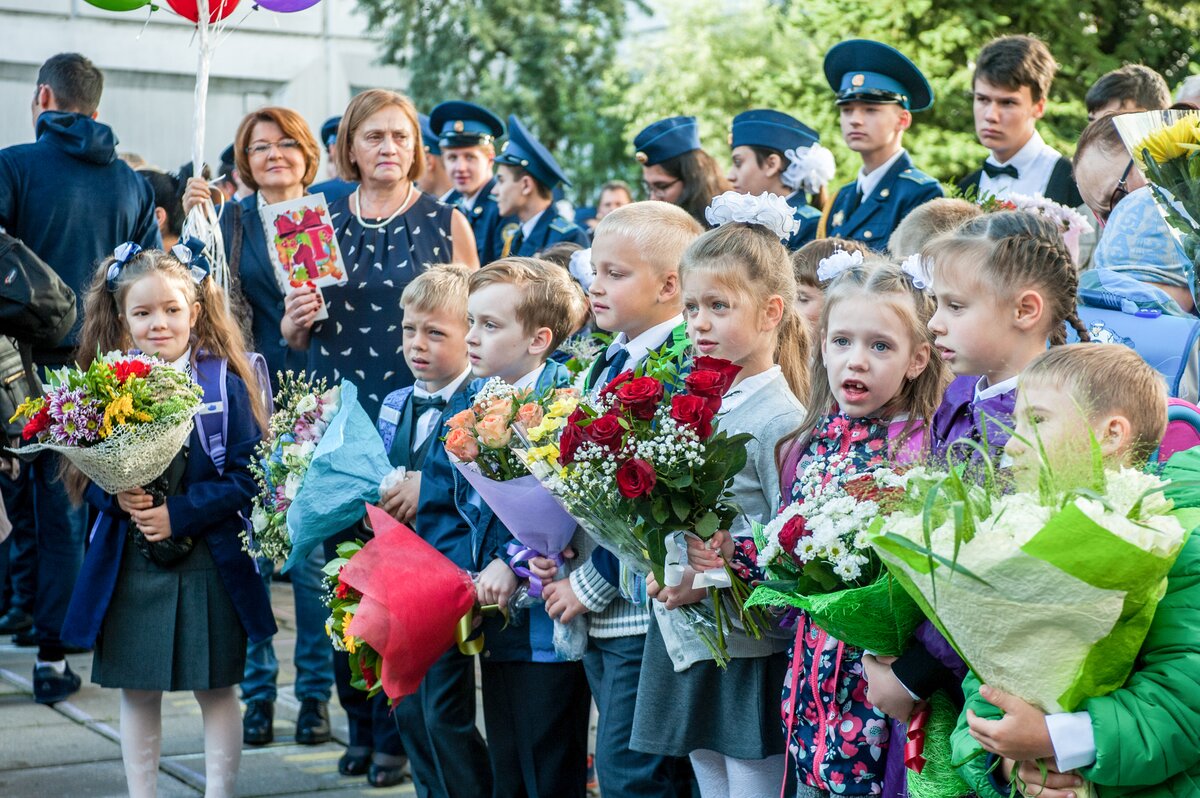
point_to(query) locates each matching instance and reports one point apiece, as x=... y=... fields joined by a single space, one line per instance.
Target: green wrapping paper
x=879 y=617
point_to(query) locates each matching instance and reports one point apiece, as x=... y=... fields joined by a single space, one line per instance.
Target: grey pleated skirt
x=734 y=712
x=170 y=628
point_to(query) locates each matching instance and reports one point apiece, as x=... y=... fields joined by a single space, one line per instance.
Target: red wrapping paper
x=413 y=598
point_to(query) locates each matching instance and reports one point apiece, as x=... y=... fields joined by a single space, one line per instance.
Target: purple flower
x=76 y=418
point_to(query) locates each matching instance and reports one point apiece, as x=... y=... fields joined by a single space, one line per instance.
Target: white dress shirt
x=739 y=394
x=527 y=226
x=868 y=182
x=529 y=381
x=639 y=347
x=1034 y=162
x=427 y=422
x=985 y=391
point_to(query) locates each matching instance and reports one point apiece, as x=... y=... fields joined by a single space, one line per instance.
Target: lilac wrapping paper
x=532 y=515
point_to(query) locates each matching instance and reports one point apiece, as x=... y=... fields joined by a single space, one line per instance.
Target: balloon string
x=146 y=24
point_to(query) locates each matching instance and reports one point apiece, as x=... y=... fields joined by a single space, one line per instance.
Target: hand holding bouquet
x=121 y=421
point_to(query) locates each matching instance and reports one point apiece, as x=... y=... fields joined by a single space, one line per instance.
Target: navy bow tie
x=423 y=403
x=995 y=171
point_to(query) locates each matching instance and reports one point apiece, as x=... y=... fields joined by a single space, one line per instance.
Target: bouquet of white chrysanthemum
x=817 y=556
x=1008 y=578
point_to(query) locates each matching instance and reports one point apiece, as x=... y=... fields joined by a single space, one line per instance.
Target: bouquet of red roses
x=646 y=463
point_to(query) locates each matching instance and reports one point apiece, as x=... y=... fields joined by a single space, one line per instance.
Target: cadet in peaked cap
x=877 y=89
x=675 y=168
x=434 y=181
x=526 y=179
x=465 y=134
x=777 y=153
x=666 y=138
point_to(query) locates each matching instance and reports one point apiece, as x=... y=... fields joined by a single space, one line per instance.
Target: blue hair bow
x=121 y=257
x=190 y=253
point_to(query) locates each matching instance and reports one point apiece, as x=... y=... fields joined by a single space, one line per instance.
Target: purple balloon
x=286 y=6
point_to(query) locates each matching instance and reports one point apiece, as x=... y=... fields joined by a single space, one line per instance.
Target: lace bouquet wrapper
x=121 y=421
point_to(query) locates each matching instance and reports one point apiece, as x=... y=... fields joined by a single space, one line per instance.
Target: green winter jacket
x=1148 y=732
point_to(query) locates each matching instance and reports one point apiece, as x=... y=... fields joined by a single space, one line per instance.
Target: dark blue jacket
x=71 y=201
x=454 y=520
x=333 y=189
x=809 y=217
x=207 y=507
x=549 y=230
x=485 y=219
x=902 y=188
x=260 y=287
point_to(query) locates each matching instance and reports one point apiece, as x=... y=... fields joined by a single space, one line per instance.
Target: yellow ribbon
x=466 y=625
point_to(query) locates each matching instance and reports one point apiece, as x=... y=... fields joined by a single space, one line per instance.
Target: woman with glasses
x=674 y=167
x=278 y=158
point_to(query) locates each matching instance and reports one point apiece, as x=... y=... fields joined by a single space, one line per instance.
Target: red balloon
x=217 y=9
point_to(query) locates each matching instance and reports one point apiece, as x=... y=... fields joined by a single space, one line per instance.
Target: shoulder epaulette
x=917 y=176
x=561 y=225
x=808 y=212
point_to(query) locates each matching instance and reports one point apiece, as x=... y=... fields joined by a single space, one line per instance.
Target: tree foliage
x=556 y=63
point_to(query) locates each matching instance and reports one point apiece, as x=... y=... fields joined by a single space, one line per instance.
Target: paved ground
x=72 y=750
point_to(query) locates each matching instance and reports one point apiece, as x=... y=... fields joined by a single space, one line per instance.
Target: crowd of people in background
x=464 y=258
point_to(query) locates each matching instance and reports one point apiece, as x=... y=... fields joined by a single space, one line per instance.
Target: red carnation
x=342 y=590
x=694 y=413
x=369 y=677
x=38 y=424
x=124 y=369
x=640 y=397
x=606 y=432
x=616 y=382
x=635 y=477
x=790 y=535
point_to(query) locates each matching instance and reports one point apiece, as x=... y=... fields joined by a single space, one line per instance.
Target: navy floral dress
x=362 y=340
x=837 y=741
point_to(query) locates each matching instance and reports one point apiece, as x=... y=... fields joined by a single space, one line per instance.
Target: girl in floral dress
x=876 y=381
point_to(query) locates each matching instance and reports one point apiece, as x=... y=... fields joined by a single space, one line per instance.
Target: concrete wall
x=313 y=61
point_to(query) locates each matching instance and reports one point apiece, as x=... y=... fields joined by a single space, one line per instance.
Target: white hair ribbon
x=838 y=262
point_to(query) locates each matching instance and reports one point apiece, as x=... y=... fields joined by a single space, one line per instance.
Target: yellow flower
x=349 y=640
x=561 y=408
x=120 y=411
x=1172 y=141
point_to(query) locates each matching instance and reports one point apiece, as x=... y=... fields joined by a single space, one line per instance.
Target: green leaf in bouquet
x=820 y=576
x=349 y=548
x=681 y=506
x=332 y=567
x=659 y=510
x=707 y=526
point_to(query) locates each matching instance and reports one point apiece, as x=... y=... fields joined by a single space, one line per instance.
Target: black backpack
x=36 y=309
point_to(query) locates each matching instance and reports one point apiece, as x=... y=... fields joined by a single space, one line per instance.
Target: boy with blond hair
x=927 y=222
x=1070 y=400
x=636 y=254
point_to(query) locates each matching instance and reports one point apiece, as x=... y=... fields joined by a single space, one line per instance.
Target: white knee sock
x=141 y=740
x=721 y=776
x=222 y=740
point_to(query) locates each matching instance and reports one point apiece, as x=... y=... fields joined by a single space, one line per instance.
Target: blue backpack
x=213 y=420
x=1117 y=309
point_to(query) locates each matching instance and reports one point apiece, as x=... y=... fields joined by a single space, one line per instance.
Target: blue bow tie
x=995 y=171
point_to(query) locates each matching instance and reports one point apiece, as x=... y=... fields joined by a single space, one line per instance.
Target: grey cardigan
x=772 y=412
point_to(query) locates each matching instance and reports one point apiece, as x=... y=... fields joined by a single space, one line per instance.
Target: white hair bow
x=810 y=168
x=838 y=262
x=769 y=210
x=917 y=269
x=580 y=267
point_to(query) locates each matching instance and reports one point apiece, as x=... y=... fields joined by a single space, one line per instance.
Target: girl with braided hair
x=1005 y=285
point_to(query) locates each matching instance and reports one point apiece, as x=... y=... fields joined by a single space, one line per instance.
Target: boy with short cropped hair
x=535 y=705
x=1011 y=86
x=1068 y=397
x=447 y=755
x=929 y=221
x=635 y=295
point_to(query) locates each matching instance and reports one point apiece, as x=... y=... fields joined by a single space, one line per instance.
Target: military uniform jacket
x=809 y=218
x=550 y=229
x=902 y=188
x=485 y=219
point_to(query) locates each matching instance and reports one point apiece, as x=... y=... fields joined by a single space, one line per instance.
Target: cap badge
x=458 y=126
x=858 y=80
x=641 y=157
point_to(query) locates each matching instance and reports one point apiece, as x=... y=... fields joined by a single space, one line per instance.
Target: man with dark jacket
x=70 y=199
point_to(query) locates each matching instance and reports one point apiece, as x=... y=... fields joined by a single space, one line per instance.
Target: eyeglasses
x=262 y=148
x=660 y=189
x=1121 y=191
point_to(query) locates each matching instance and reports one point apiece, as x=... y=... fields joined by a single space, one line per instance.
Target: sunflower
x=1171 y=142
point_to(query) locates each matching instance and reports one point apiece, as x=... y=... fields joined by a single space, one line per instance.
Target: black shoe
x=258 y=724
x=26 y=639
x=50 y=686
x=386 y=776
x=15 y=620
x=312 y=724
x=354 y=763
